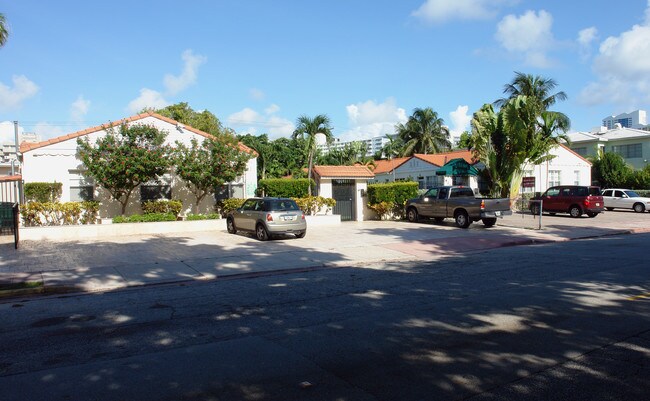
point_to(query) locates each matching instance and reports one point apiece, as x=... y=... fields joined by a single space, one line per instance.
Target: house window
x=581 y=151
x=155 y=190
x=576 y=177
x=229 y=191
x=553 y=178
x=81 y=188
x=633 y=151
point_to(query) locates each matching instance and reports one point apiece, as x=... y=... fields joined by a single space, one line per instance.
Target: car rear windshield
x=594 y=191
x=462 y=193
x=283 y=204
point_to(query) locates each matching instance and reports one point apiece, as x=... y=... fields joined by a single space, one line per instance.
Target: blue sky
x=258 y=65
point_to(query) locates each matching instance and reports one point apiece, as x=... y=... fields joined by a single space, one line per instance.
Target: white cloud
x=622 y=67
x=272 y=109
x=257 y=94
x=175 y=84
x=79 y=108
x=47 y=130
x=369 y=119
x=439 y=11
x=148 y=99
x=460 y=121
x=529 y=35
x=250 y=121
x=585 y=38
x=13 y=97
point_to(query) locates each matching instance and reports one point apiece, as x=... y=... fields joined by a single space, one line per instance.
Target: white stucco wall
x=58 y=163
x=573 y=170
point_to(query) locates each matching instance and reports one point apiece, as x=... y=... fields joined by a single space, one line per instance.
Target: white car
x=625 y=199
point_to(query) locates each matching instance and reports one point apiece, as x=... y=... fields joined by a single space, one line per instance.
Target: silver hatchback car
x=267 y=217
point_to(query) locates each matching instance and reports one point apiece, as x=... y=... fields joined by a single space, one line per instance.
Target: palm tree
x=4 y=31
x=424 y=132
x=308 y=128
x=533 y=86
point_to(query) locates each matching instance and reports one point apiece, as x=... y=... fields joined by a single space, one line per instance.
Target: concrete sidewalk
x=110 y=262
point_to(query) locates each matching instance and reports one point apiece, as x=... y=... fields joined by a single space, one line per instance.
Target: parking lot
x=107 y=263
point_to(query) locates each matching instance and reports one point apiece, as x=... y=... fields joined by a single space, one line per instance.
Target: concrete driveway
x=108 y=263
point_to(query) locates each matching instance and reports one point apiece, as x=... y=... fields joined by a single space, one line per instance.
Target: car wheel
x=638 y=207
x=489 y=221
x=230 y=225
x=412 y=215
x=438 y=219
x=301 y=234
x=462 y=219
x=575 y=211
x=534 y=209
x=261 y=233
x=609 y=208
x=592 y=214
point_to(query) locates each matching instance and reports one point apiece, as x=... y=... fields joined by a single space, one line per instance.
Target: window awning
x=457 y=167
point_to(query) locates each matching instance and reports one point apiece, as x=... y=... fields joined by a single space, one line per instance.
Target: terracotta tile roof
x=26 y=147
x=440 y=159
x=343 y=171
x=386 y=166
x=10 y=178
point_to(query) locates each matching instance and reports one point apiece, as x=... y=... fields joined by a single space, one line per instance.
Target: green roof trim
x=457 y=167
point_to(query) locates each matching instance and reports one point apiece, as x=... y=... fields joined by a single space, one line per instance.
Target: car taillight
x=303 y=216
x=269 y=217
x=482 y=204
x=586 y=202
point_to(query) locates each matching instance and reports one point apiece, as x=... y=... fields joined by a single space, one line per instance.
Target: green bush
x=145 y=218
x=312 y=204
x=43 y=192
x=396 y=192
x=162 y=206
x=55 y=214
x=285 y=187
x=210 y=216
x=226 y=206
x=383 y=209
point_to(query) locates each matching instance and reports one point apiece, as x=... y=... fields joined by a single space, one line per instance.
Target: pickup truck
x=459 y=203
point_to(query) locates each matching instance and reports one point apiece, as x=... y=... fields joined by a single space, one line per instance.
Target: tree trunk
x=311 y=160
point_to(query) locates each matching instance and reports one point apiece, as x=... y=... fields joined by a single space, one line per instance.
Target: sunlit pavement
x=110 y=263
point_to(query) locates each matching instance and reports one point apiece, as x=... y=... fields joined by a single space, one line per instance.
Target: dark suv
x=573 y=199
x=267 y=217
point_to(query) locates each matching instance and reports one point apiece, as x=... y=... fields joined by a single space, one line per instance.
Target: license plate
x=287 y=218
x=497 y=213
x=597 y=204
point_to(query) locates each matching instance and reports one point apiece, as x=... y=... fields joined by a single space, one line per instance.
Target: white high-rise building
x=636 y=119
x=373 y=145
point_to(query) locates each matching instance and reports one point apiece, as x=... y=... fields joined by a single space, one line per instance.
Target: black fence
x=9 y=215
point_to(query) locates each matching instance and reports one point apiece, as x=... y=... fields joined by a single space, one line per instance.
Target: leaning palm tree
x=308 y=128
x=533 y=86
x=4 y=31
x=424 y=132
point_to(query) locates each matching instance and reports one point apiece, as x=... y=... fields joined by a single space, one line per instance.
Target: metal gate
x=343 y=193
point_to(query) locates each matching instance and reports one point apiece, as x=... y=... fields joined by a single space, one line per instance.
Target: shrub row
x=162 y=206
x=209 y=216
x=284 y=188
x=56 y=214
x=43 y=192
x=313 y=204
x=145 y=218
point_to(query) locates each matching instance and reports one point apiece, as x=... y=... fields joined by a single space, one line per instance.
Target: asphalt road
x=567 y=320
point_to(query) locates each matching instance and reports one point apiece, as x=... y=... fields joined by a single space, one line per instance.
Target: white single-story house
x=55 y=160
x=347 y=185
x=566 y=168
x=423 y=168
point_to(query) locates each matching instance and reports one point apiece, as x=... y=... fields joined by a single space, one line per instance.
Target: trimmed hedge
x=397 y=192
x=162 y=206
x=36 y=214
x=226 y=206
x=285 y=188
x=43 y=192
x=210 y=216
x=145 y=218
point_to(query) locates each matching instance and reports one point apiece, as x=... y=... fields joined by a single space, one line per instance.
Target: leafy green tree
x=210 y=164
x=392 y=149
x=424 y=132
x=4 y=31
x=464 y=142
x=184 y=114
x=534 y=86
x=610 y=170
x=307 y=128
x=125 y=158
x=264 y=149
